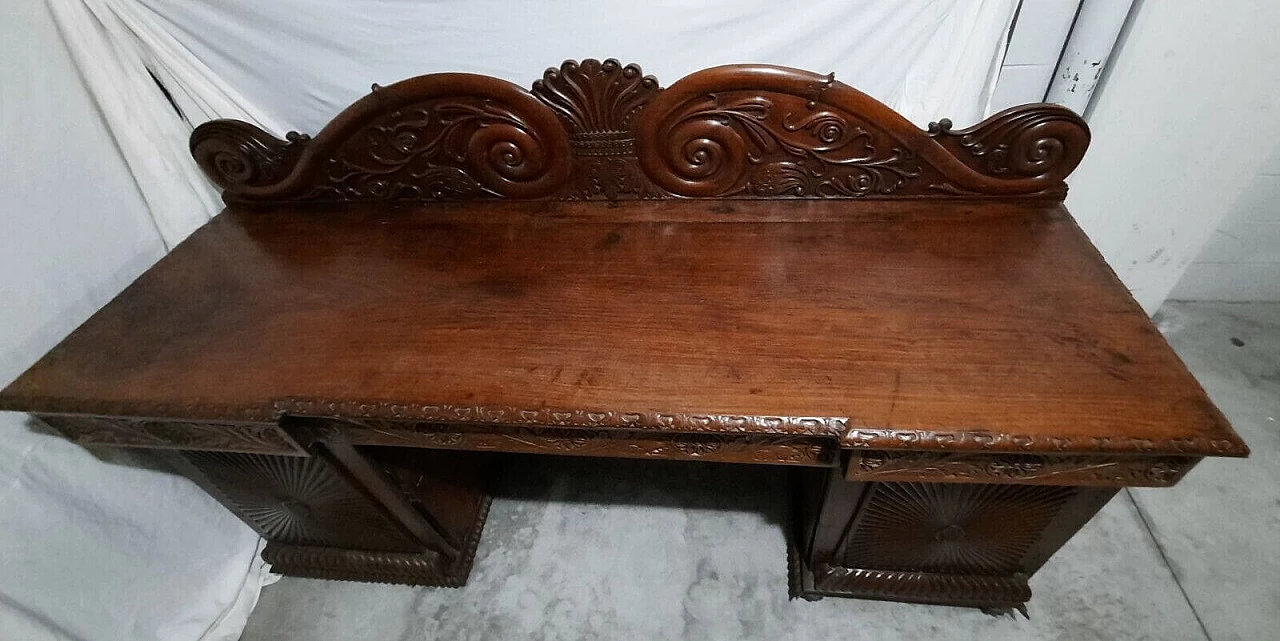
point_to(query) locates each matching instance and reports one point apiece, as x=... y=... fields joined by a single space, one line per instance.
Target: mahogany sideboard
x=754 y=265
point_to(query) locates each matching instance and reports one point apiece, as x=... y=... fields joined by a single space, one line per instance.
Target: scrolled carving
x=490 y=140
x=605 y=130
x=710 y=136
x=1038 y=144
x=236 y=155
x=441 y=150
x=442 y=136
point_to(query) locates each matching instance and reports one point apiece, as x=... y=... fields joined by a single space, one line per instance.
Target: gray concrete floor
x=625 y=550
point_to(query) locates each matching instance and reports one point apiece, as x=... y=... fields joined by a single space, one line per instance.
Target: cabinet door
x=951 y=528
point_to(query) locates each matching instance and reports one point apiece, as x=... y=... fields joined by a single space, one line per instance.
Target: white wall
x=1241 y=261
x=88 y=549
x=1039 y=32
x=1184 y=120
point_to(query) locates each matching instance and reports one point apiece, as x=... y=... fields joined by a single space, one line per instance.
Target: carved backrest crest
x=604 y=130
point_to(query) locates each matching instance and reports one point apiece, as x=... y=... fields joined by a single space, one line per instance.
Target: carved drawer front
x=301 y=501
x=974 y=529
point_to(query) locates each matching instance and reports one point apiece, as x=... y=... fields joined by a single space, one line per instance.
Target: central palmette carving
x=604 y=130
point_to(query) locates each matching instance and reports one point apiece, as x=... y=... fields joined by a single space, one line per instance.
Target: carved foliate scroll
x=604 y=130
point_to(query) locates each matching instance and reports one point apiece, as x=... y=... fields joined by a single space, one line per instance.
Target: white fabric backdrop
x=97 y=551
x=303 y=61
x=90 y=550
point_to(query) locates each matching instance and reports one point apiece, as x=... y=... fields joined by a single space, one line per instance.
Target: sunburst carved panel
x=951 y=528
x=300 y=501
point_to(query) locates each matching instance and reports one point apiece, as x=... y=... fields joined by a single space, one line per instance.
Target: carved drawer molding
x=1029 y=469
x=778 y=449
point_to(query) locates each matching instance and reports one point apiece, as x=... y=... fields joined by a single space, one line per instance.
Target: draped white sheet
x=90 y=549
x=119 y=46
x=293 y=64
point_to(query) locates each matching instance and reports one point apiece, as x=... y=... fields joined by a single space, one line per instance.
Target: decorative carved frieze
x=1105 y=471
x=862 y=438
x=850 y=437
x=605 y=130
x=264 y=438
x=552 y=417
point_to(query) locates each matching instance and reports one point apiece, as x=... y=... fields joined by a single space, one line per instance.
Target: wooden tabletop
x=892 y=324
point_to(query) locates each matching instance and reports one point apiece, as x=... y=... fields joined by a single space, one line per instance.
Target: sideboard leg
x=383 y=515
x=963 y=544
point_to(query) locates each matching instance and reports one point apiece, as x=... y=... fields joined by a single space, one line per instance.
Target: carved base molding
x=968 y=590
x=425 y=569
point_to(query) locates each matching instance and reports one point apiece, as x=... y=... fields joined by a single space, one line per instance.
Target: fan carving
x=300 y=501
x=945 y=528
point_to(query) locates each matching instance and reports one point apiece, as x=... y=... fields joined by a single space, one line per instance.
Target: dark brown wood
x=778 y=449
x=380 y=514
x=602 y=130
x=963 y=467
x=782 y=271
x=965 y=544
x=930 y=334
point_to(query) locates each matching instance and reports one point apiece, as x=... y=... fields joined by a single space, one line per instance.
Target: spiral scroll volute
x=237 y=156
x=1041 y=144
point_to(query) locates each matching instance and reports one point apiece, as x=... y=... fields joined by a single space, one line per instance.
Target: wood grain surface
x=894 y=318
